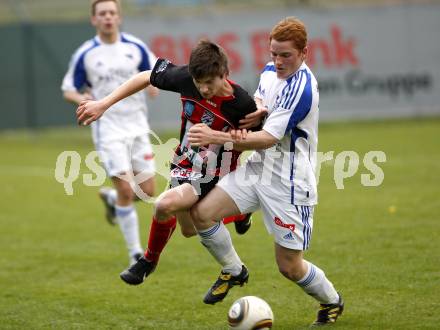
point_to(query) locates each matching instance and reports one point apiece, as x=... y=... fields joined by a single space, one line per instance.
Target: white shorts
x=132 y=154
x=291 y=225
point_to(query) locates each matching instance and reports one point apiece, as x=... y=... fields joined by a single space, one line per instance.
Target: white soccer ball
x=250 y=313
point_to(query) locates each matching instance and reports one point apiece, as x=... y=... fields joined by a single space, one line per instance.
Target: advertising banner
x=370 y=62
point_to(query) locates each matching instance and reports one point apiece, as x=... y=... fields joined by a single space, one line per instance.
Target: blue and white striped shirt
x=293 y=120
x=103 y=67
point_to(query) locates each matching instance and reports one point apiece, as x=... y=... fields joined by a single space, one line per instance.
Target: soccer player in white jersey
x=279 y=177
x=121 y=135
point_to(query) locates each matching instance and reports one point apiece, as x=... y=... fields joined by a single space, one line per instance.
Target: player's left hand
x=253 y=119
x=200 y=135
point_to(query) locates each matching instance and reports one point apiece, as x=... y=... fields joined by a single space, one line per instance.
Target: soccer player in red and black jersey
x=208 y=97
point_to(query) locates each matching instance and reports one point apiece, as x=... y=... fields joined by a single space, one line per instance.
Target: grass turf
x=60 y=260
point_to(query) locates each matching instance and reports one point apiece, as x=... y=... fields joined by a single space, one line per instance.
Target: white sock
x=112 y=196
x=218 y=242
x=127 y=219
x=317 y=285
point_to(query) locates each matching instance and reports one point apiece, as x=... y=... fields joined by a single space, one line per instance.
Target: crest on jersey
x=207 y=118
x=188 y=109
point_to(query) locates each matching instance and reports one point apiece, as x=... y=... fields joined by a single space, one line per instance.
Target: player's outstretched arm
x=89 y=111
x=255 y=140
x=201 y=134
x=77 y=97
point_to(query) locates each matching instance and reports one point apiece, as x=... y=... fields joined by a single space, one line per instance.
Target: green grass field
x=60 y=261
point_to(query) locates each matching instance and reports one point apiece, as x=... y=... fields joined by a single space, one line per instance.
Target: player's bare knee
x=285 y=271
x=125 y=194
x=290 y=271
x=188 y=232
x=196 y=214
x=201 y=220
x=149 y=189
x=164 y=207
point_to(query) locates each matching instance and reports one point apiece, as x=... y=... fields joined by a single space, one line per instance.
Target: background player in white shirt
x=121 y=135
x=279 y=176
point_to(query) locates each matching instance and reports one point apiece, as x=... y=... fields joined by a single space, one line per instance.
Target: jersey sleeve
x=76 y=76
x=246 y=102
x=259 y=93
x=167 y=76
x=67 y=85
x=148 y=59
x=293 y=106
x=239 y=107
x=251 y=107
x=152 y=59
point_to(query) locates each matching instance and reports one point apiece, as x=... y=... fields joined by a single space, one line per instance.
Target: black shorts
x=202 y=184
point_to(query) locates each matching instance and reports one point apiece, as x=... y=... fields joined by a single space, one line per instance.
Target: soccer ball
x=250 y=313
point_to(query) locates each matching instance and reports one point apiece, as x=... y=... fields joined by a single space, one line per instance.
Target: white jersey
x=293 y=120
x=102 y=68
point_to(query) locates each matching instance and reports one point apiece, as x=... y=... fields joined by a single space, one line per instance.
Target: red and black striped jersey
x=219 y=113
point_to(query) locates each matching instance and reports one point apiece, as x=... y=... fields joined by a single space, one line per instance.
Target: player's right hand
x=238 y=135
x=88 y=111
